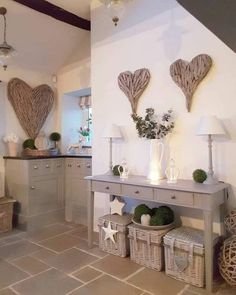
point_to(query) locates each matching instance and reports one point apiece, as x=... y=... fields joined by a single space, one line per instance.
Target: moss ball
x=55 y=136
x=139 y=211
x=164 y=215
x=116 y=169
x=29 y=144
x=199 y=175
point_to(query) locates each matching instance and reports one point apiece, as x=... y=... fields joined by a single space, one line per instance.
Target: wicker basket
x=6 y=211
x=36 y=153
x=119 y=223
x=184 y=255
x=146 y=246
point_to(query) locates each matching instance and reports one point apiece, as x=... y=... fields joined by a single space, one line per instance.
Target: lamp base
x=211 y=179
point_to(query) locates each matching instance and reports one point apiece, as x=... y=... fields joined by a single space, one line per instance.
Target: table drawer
x=106 y=187
x=137 y=192
x=174 y=197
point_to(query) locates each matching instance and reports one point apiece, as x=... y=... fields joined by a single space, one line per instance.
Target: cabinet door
x=46 y=194
x=79 y=200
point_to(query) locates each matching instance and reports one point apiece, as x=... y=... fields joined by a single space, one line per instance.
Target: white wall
x=153 y=34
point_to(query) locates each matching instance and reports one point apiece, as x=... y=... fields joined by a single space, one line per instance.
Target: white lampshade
x=112 y=131
x=210 y=125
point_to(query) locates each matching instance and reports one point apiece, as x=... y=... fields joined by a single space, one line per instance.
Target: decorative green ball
x=139 y=211
x=55 y=136
x=116 y=171
x=163 y=215
x=199 y=175
x=29 y=144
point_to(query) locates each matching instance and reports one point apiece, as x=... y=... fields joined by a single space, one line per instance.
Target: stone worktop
x=49 y=157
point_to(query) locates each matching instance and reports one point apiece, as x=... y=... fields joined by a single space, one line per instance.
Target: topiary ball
x=199 y=175
x=29 y=144
x=164 y=215
x=139 y=211
x=116 y=171
x=55 y=136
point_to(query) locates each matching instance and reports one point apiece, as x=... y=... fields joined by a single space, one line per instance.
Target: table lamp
x=111 y=132
x=210 y=125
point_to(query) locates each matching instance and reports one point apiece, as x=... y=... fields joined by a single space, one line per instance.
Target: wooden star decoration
x=109 y=232
x=116 y=207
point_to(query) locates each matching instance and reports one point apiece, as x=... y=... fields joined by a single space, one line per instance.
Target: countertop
x=48 y=157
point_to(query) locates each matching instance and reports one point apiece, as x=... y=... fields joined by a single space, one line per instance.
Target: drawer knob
x=69 y=165
x=173 y=197
x=36 y=167
x=107 y=187
x=47 y=166
x=137 y=192
x=88 y=166
x=32 y=187
x=78 y=165
x=58 y=166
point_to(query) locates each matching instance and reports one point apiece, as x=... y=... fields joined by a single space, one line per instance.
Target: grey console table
x=185 y=193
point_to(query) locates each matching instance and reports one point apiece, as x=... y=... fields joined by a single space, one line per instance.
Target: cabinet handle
x=47 y=166
x=32 y=187
x=173 y=197
x=88 y=166
x=36 y=167
x=137 y=192
x=107 y=187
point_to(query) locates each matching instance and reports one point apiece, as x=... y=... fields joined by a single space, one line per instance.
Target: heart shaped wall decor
x=31 y=106
x=133 y=85
x=188 y=75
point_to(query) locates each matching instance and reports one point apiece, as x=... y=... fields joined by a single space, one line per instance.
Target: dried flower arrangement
x=153 y=126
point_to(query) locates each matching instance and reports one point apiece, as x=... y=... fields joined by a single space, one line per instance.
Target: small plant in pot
x=29 y=147
x=55 y=137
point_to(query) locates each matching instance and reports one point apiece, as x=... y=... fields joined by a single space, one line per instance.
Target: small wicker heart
x=181 y=262
x=188 y=75
x=133 y=85
x=31 y=106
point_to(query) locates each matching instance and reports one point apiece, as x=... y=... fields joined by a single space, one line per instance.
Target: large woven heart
x=31 y=106
x=133 y=85
x=188 y=75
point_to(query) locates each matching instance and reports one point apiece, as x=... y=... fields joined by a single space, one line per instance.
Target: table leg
x=90 y=218
x=208 y=238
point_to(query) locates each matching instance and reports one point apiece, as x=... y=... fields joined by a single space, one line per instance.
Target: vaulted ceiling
x=43 y=43
x=219 y=16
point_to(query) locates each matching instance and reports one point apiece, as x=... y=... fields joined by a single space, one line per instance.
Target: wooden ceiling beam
x=57 y=13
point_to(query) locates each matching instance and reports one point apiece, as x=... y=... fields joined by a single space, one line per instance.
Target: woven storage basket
x=146 y=246
x=184 y=255
x=121 y=246
x=6 y=211
x=36 y=153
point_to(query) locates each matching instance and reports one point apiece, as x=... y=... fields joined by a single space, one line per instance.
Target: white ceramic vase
x=156 y=154
x=12 y=149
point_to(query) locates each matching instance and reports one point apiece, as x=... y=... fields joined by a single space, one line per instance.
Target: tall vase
x=156 y=154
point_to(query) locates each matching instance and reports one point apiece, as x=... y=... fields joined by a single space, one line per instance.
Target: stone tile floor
x=56 y=260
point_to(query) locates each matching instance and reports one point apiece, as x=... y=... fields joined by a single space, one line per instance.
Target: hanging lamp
x=6 y=50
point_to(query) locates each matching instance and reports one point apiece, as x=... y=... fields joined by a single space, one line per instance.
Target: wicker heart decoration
x=31 y=106
x=188 y=75
x=133 y=85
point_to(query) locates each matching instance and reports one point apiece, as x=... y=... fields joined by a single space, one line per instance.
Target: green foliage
x=116 y=171
x=151 y=126
x=163 y=215
x=199 y=175
x=55 y=136
x=29 y=144
x=139 y=211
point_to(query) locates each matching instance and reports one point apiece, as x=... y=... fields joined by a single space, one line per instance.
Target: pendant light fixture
x=116 y=9
x=6 y=50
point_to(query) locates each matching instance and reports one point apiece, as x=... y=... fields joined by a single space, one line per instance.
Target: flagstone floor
x=55 y=260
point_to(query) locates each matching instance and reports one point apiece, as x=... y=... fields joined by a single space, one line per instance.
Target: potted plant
x=55 y=137
x=12 y=142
